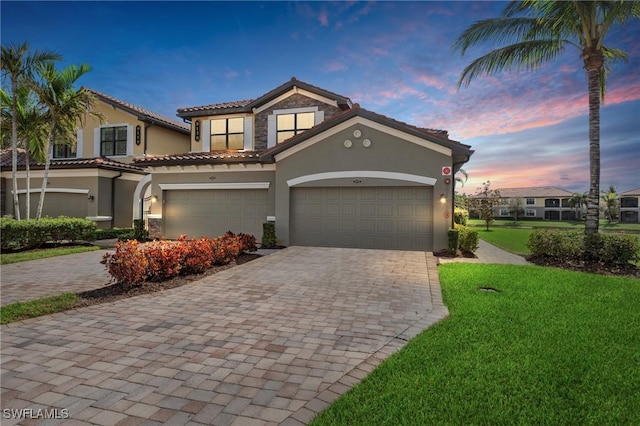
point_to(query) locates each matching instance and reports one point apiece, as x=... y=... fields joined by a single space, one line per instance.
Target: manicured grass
x=578 y=225
x=23 y=310
x=551 y=347
x=513 y=240
x=7 y=258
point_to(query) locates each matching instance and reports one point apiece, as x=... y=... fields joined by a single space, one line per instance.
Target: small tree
x=516 y=208
x=610 y=204
x=484 y=201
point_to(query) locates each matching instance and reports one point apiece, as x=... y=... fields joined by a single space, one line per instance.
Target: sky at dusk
x=393 y=58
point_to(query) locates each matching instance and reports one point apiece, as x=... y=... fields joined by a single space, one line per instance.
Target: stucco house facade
x=630 y=206
x=93 y=176
x=542 y=202
x=326 y=171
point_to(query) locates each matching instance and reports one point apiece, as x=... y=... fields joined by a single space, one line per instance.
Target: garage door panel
x=370 y=217
x=212 y=212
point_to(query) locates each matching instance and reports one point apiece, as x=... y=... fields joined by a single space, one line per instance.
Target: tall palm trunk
x=27 y=168
x=593 y=202
x=47 y=164
x=14 y=146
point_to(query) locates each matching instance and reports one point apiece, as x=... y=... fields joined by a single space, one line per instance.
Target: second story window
x=63 y=150
x=113 y=141
x=289 y=125
x=531 y=201
x=227 y=133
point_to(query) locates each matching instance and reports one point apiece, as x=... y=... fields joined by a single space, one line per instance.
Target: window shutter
x=271 y=130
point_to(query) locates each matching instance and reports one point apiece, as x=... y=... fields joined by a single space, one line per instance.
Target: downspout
x=146 y=128
x=113 y=198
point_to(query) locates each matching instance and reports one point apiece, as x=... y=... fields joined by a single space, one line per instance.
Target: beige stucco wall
x=160 y=140
x=387 y=153
x=96 y=183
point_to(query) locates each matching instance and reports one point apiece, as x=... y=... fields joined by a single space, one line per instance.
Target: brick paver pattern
x=272 y=341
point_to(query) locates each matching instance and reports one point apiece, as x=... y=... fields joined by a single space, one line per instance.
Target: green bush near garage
x=16 y=235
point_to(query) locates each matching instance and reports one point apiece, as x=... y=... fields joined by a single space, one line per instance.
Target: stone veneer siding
x=294 y=101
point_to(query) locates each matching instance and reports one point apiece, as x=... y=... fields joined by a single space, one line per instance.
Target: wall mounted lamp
x=443 y=199
x=154 y=199
x=91 y=198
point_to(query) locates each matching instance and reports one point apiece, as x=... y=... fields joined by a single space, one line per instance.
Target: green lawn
x=49 y=305
x=551 y=347
x=513 y=240
x=539 y=223
x=7 y=258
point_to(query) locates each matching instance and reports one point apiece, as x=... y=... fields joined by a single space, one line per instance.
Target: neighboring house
x=630 y=206
x=544 y=202
x=328 y=172
x=92 y=176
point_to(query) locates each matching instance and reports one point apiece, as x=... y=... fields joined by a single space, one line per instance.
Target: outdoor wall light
x=443 y=199
x=154 y=199
x=91 y=198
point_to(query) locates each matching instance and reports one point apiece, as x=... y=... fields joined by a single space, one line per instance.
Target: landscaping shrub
x=268 y=235
x=139 y=233
x=460 y=216
x=610 y=249
x=122 y=234
x=31 y=233
x=453 y=235
x=468 y=240
x=160 y=260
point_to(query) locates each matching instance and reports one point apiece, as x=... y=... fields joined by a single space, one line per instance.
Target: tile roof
x=142 y=113
x=631 y=192
x=438 y=136
x=248 y=104
x=534 y=191
x=68 y=163
x=199 y=158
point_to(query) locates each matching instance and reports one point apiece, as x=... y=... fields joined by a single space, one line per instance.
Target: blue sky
x=394 y=58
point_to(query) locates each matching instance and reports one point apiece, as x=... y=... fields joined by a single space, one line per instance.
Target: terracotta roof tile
x=534 y=191
x=199 y=157
x=142 y=112
x=71 y=163
x=218 y=106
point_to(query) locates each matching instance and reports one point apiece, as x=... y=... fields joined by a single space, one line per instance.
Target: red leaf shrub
x=161 y=260
x=128 y=264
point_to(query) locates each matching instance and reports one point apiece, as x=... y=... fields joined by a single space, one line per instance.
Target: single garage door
x=57 y=204
x=398 y=218
x=212 y=212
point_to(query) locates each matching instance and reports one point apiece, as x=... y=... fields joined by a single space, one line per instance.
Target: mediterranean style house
x=630 y=206
x=93 y=176
x=326 y=171
x=545 y=202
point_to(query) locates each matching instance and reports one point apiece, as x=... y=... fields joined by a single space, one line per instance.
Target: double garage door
x=212 y=212
x=363 y=217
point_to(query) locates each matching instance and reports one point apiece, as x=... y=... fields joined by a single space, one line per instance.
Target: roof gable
x=254 y=105
x=142 y=113
x=433 y=139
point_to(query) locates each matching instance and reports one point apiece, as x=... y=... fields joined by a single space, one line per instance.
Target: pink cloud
x=335 y=66
x=323 y=18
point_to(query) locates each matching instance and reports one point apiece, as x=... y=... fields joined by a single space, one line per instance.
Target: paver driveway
x=271 y=341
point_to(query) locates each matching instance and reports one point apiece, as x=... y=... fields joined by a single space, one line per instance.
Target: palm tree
x=31 y=130
x=576 y=202
x=18 y=64
x=536 y=32
x=610 y=200
x=66 y=107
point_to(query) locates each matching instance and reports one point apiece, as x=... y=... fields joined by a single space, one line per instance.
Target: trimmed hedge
x=31 y=233
x=119 y=233
x=133 y=263
x=468 y=240
x=611 y=249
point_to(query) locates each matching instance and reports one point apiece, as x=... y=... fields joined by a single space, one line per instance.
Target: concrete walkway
x=488 y=253
x=272 y=341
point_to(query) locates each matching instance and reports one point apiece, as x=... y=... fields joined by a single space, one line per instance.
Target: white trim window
x=286 y=123
x=504 y=212
x=227 y=133
x=530 y=201
x=114 y=141
x=530 y=213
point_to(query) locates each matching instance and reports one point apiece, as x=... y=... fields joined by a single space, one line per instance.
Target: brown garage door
x=212 y=212
x=365 y=217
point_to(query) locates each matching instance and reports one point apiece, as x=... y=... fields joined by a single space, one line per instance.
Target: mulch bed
x=627 y=270
x=114 y=292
